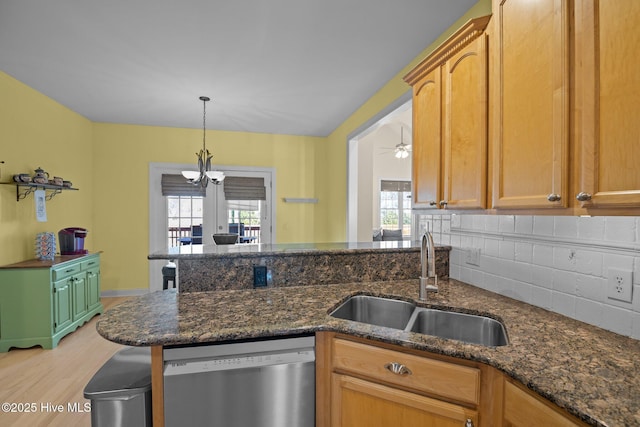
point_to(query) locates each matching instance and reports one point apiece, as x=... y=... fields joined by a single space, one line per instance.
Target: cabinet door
x=524 y=410
x=93 y=288
x=465 y=123
x=79 y=291
x=360 y=403
x=427 y=140
x=531 y=105
x=62 y=304
x=608 y=97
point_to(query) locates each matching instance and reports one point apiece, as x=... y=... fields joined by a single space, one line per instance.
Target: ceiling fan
x=401 y=150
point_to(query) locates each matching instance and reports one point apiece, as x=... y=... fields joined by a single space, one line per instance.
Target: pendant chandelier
x=204 y=174
x=402 y=150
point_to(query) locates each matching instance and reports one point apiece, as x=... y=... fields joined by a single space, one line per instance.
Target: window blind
x=388 y=185
x=244 y=188
x=177 y=185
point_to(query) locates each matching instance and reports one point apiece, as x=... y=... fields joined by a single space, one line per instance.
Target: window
x=395 y=206
x=183 y=214
x=244 y=219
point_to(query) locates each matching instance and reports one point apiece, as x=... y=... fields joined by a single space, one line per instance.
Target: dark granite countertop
x=280 y=249
x=591 y=372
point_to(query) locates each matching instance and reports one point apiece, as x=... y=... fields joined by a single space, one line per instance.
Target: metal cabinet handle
x=432 y=203
x=469 y=423
x=583 y=197
x=397 y=368
x=553 y=197
x=443 y=204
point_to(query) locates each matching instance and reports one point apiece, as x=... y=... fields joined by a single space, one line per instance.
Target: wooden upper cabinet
x=465 y=127
x=450 y=122
x=427 y=140
x=531 y=104
x=607 y=103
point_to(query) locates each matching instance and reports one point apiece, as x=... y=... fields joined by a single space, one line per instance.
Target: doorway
x=193 y=219
x=372 y=162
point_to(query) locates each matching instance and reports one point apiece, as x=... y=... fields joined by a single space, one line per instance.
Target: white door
x=251 y=219
x=216 y=212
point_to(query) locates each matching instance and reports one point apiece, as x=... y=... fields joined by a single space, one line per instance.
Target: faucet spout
x=428 y=265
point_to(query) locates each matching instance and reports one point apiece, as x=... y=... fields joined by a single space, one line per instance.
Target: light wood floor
x=56 y=377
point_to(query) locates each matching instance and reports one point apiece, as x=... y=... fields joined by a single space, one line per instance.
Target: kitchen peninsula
x=578 y=369
x=218 y=267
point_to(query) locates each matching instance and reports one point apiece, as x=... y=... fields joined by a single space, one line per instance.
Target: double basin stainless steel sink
x=407 y=316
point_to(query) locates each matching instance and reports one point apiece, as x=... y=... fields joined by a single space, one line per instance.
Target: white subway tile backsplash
x=492 y=223
x=507 y=250
x=523 y=252
x=466 y=221
x=589 y=262
x=492 y=248
x=565 y=226
x=479 y=222
x=624 y=262
x=619 y=229
x=589 y=311
x=564 y=258
x=543 y=225
x=563 y=303
x=524 y=224
x=617 y=319
x=591 y=228
x=557 y=263
x=543 y=255
x=591 y=287
x=541 y=276
x=507 y=223
x=541 y=297
x=564 y=281
x=635 y=326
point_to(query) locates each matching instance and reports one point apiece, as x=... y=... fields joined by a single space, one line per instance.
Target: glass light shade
x=191 y=174
x=402 y=154
x=215 y=176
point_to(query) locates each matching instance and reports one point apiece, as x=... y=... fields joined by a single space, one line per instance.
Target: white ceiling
x=275 y=66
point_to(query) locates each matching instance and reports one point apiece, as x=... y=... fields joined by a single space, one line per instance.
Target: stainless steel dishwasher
x=267 y=383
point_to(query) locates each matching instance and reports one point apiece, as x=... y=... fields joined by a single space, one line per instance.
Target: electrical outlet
x=620 y=284
x=260 y=276
x=473 y=257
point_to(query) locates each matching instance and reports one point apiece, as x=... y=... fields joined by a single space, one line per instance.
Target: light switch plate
x=620 y=285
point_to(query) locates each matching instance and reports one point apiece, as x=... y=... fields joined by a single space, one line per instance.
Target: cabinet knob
x=553 y=197
x=443 y=204
x=583 y=197
x=469 y=423
x=432 y=203
x=397 y=368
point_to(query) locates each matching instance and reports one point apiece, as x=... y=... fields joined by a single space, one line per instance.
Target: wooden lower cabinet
x=524 y=409
x=361 y=403
x=359 y=384
x=362 y=383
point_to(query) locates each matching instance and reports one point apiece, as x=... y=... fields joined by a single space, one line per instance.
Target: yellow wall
x=122 y=155
x=36 y=131
x=334 y=193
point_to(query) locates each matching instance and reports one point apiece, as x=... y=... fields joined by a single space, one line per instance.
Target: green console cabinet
x=42 y=301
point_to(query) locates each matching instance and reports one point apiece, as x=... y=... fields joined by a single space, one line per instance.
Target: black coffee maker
x=72 y=241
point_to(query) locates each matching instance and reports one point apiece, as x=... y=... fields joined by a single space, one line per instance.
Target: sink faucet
x=428 y=263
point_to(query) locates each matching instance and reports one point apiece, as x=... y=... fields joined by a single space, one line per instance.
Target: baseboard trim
x=124 y=293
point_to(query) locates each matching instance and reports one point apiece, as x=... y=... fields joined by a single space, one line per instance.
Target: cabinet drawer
x=89 y=264
x=62 y=272
x=460 y=383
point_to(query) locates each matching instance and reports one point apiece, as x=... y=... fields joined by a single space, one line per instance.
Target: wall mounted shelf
x=23 y=189
x=299 y=200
